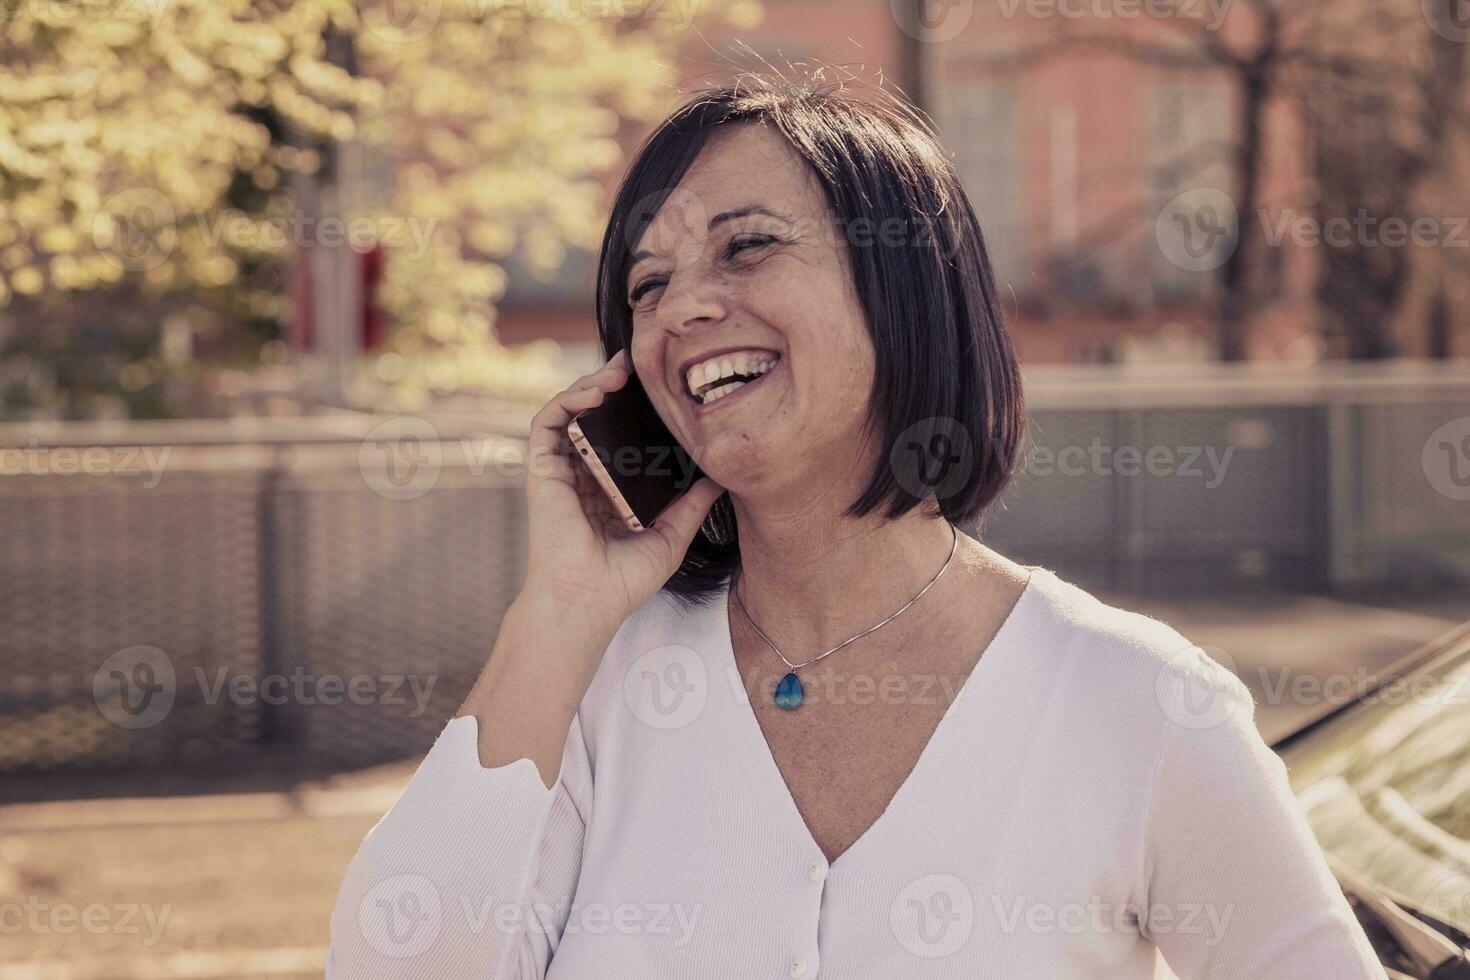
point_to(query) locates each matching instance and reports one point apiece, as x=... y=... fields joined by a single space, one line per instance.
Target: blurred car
x=1384 y=779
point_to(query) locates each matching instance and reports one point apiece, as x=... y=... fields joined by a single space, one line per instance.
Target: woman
x=839 y=737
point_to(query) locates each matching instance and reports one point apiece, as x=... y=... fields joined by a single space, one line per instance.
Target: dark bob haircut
x=946 y=398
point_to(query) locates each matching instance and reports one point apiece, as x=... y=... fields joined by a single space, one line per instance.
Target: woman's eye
x=643 y=287
x=742 y=243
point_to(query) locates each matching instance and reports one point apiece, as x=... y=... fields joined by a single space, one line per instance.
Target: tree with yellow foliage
x=149 y=150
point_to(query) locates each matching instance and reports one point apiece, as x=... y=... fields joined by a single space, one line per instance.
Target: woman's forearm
x=544 y=658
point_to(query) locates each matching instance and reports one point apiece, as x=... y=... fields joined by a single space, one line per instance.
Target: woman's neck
x=812 y=583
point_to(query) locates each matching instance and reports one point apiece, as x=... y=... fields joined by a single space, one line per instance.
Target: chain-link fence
x=183 y=594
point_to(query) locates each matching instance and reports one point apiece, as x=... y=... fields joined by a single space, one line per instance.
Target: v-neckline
x=967 y=692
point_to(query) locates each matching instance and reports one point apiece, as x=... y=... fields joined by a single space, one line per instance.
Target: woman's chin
x=738 y=462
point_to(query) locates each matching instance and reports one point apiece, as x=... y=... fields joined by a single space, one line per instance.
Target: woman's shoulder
x=664 y=630
x=1088 y=644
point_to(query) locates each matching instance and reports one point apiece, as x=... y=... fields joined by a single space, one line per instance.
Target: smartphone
x=633 y=455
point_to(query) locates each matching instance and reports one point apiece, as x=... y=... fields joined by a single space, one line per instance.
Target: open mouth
x=720 y=376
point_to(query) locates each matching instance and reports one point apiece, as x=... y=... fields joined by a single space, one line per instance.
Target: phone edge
x=604 y=479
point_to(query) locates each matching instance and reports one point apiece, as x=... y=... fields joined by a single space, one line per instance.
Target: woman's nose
x=690 y=300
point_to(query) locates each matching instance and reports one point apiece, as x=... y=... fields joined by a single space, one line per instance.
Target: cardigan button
x=817 y=872
x=798 y=969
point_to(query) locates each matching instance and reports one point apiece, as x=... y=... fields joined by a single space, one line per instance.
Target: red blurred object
x=372 y=325
x=302 y=335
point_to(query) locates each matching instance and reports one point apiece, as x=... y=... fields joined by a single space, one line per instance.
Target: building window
x=1187 y=152
x=977 y=119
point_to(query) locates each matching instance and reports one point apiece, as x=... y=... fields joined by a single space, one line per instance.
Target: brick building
x=1072 y=159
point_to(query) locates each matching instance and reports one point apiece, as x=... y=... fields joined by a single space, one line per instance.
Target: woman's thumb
x=678 y=524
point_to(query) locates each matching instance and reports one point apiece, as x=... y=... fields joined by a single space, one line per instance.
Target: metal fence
x=334 y=584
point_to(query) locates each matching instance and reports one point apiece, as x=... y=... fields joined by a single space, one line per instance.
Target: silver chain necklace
x=789 y=693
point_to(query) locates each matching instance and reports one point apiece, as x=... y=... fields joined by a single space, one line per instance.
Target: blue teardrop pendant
x=789 y=693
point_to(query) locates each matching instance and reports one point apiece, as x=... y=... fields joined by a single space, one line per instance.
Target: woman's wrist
x=545 y=615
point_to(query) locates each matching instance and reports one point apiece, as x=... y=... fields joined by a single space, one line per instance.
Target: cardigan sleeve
x=1237 y=885
x=470 y=874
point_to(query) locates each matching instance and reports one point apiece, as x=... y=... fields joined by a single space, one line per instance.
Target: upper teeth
x=703 y=377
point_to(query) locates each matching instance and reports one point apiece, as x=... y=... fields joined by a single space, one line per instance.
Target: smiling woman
x=831 y=232
x=968 y=767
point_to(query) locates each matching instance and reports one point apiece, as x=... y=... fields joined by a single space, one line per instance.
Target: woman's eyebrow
x=718 y=219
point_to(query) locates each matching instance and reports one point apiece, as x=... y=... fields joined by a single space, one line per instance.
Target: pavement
x=240 y=885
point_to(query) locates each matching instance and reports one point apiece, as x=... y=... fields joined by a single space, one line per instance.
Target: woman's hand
x=583 y=560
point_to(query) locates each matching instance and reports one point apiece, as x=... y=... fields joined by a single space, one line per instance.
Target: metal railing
x=249 y=572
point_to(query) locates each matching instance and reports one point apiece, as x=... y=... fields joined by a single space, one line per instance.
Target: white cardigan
x=1094 y=764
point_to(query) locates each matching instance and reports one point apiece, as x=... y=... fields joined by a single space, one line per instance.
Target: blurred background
x=281 y=284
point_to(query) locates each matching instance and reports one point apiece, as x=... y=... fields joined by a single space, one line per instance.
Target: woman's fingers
x=546 y=455
x=611 y=376
x=547 y=447
x=680 y=521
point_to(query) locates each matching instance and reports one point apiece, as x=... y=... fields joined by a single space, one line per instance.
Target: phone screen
x=641 y=455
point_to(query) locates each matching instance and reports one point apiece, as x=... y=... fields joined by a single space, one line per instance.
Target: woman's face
x=743 y=272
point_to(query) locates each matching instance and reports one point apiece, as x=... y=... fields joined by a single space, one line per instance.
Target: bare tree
x=1269 y=49
x=1375 y=139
